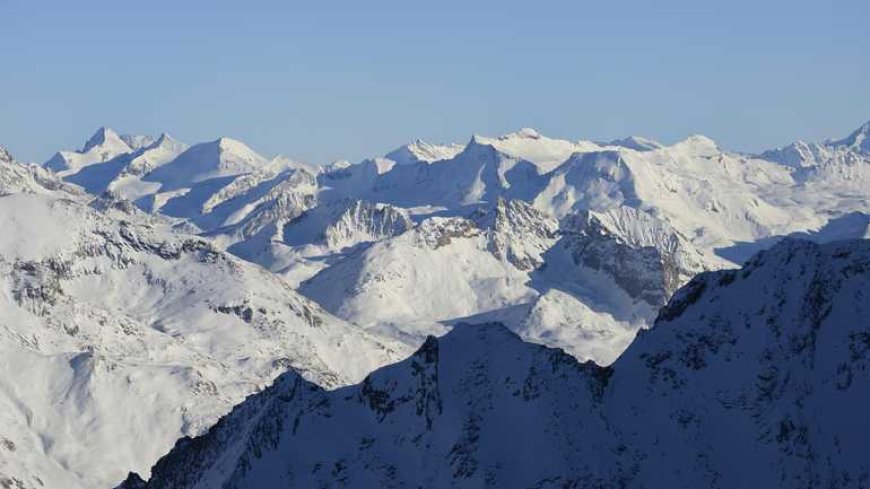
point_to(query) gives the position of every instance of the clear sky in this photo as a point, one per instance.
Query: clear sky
(321, 80)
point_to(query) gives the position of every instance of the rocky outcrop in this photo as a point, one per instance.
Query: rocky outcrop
(518, 232)
(645, 256)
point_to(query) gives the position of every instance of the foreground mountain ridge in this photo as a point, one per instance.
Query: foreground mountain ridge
(749, 378)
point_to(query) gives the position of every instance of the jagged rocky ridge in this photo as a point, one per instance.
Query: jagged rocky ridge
(750, 378)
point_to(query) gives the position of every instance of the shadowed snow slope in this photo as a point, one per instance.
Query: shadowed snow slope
(750, 378)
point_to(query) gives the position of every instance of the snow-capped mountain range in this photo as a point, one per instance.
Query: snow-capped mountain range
(151, 285)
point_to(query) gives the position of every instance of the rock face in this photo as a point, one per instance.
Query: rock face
(750, 378)
(363, 222)
(518, 232)
(645, 256)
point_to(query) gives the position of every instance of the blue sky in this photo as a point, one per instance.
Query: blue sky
(318, 81)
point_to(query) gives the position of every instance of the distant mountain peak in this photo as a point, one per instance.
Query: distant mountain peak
(229, 143)
(859, 139)
(637, 143)
(102, 136)
(164, 138)
(698, 143)
(524, 133)
(420, 150)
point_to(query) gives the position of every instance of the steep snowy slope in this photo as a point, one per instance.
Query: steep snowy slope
(750, 378)
(118, 336)
(204, 161)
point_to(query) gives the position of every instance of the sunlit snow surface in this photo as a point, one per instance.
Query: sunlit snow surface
(127, 322)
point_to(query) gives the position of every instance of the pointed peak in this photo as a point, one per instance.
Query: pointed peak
(859, 139)
(699, 142)
(864, 129)
(231, 145)
(166, 139)
(102, 136)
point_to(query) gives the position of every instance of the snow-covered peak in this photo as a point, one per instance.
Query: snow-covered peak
(699, 145)
(530, 145)
(524, 133)
(858, 140)
(220, 158)
(831, 158)
(235, 146)
(637, 143)
(422, 151)
(105, 138)
(163, 140)
(104, 145)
